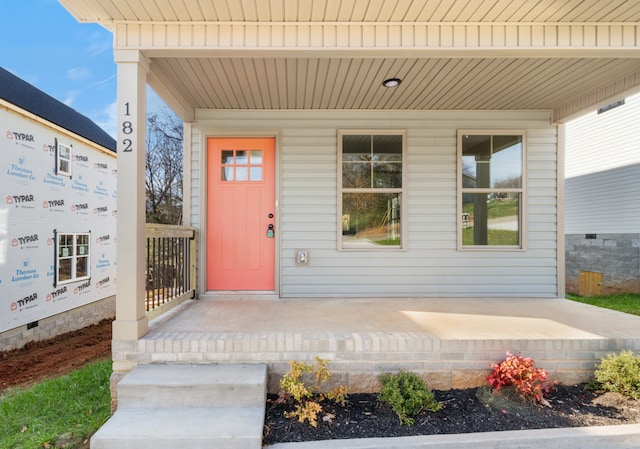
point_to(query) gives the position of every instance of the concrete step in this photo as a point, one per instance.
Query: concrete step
(189, 386)
(187, 406)
(194, 428)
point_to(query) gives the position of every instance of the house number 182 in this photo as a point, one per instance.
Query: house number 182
(127, 128)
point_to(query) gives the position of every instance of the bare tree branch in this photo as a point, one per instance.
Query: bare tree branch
(164, 170)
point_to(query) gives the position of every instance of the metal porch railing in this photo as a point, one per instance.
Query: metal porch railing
(170, 267)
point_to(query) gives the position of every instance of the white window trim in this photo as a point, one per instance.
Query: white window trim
(403, 190)
(523, 191)
(60, 172)
(74, 258)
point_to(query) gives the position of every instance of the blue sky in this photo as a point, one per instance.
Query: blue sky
(44, 45)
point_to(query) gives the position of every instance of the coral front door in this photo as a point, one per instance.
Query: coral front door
(241, 214)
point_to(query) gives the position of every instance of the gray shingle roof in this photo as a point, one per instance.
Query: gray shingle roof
(22, 94)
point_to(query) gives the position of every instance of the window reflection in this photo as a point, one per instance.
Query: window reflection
(492, 189)
(492, 161)
(371, 220)
(372, 169)
(372, 161)
(491, 219)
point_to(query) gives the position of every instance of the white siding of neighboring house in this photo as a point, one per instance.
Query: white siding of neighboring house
(431, 264)
(602, 184)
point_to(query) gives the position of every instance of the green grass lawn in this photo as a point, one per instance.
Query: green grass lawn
(623, 302)
(57, 413)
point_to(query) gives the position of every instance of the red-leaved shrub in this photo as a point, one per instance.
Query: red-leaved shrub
(520, 373)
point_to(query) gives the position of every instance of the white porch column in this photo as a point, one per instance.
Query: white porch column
(131, 322)
(560, 226)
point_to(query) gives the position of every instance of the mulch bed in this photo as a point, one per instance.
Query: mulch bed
(364, 416)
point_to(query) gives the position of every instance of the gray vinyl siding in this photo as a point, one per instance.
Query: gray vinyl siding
(602, 171)
(430, 265)
(604, 202)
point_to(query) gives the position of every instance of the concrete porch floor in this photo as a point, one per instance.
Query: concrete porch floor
(449, 341)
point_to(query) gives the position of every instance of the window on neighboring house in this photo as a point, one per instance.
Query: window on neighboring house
(371, 189)
(72, 256)
(63, 159)
(491, 184)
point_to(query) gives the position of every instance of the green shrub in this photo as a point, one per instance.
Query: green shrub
(620, 373)
(407, 394)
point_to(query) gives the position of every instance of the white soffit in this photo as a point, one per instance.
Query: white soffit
(564, 56)
(487, 11)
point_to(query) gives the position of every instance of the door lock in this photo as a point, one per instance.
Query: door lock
(270, 232)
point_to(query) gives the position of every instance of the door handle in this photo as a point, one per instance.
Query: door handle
(270, 232)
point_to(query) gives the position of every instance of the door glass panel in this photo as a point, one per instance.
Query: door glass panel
(227, 173)
(255, 174)
(255, 157)
(242, 157)
(242, 173)
(227, 157)
(241, 165)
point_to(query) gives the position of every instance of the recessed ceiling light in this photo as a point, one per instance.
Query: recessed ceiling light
(391, 82)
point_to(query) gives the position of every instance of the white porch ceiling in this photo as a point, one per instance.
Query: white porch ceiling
(356, 83)
(566, 56)
(105, 11)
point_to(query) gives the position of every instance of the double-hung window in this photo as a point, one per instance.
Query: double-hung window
(371, 189)
(491, 186)
(72, 256)
(63, 159)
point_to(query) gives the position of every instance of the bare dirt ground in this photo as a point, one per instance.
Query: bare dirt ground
(55, 357)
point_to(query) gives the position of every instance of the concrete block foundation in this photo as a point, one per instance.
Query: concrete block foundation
(616, 256)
